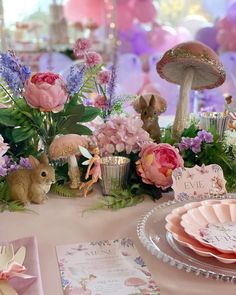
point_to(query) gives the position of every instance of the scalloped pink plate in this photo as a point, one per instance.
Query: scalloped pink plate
(213, 225)
(174, 227)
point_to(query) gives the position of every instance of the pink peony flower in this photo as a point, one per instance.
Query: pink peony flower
(157, 161)
(104, 77)
(3, 146)
(100, 102)
(121, 133)
(92, 59)
(49, 78)
(81, 47)
(46, 91)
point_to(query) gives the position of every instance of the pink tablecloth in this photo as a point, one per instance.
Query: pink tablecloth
(60, 221)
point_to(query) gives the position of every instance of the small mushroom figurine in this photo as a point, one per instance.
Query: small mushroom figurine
(192, 65)
(150, 106)
(67, 147)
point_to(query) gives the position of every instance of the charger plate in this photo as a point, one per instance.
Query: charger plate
(160, 243)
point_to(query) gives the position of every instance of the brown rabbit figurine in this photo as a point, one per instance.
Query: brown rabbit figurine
(149, 114)
(31, 185)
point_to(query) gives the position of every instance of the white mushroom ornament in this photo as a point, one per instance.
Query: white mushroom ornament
(67, 147)
(192, 65)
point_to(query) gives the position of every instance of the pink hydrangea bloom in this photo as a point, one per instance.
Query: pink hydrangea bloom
(46, 91)
(104, 77)
(157, 161)
(3, 146)
(93, 59)
(121, 133)
(81, 47)
(100, 102)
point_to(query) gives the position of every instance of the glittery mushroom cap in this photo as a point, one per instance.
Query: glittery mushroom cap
(65, 146)
(208, 70)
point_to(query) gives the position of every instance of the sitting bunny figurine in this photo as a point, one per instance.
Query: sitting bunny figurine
(31, 185)
(150, 107)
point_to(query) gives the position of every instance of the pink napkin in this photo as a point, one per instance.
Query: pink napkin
(29, 286)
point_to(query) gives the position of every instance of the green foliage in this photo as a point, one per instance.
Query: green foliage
(6, 203)
(89, 114)
(190, 131)
(89, 84)
(5, 93)
(120, 199)
(62, 190)
(7, 118)
(211, 153)
(166, 136)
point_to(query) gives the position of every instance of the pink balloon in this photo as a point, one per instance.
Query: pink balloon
(183, 34)
(146, 81)
(229, 62)
(124, 17)
(123, 2)
(144, 11)
(77, 10)
(231, 13)
(162, 38)
(226, 36)
(150, 88)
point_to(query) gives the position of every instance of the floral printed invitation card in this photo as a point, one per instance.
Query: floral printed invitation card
(104, 268)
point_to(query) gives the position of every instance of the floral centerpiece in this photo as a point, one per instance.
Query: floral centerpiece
(35, 108)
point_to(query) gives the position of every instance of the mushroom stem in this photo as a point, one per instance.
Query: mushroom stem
(182, 111)
(73, 172)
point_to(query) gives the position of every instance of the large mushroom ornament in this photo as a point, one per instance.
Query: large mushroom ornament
(67, 147)
(192, 65)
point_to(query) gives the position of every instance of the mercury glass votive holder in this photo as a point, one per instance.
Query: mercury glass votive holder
(217, 120)
(115, 171)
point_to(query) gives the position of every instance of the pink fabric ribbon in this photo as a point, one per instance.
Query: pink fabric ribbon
(14, 269)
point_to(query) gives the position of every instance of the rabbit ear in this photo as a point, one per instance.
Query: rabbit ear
(33, 161)
(142, 102)
(44, 159)
(152, 101)
(161, 105)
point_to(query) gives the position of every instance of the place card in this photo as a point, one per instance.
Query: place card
(198, 182)
(104, 268)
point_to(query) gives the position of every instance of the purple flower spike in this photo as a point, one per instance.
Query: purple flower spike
(205, 136)
(13, 72)
(185, 143)
(75, 79)
(196, 144)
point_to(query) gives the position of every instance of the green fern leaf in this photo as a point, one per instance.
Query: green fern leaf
(5, 94)
(63, 191)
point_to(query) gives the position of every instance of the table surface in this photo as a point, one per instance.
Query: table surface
(60, 221)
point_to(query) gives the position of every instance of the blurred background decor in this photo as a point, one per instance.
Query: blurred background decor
(44, 31)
